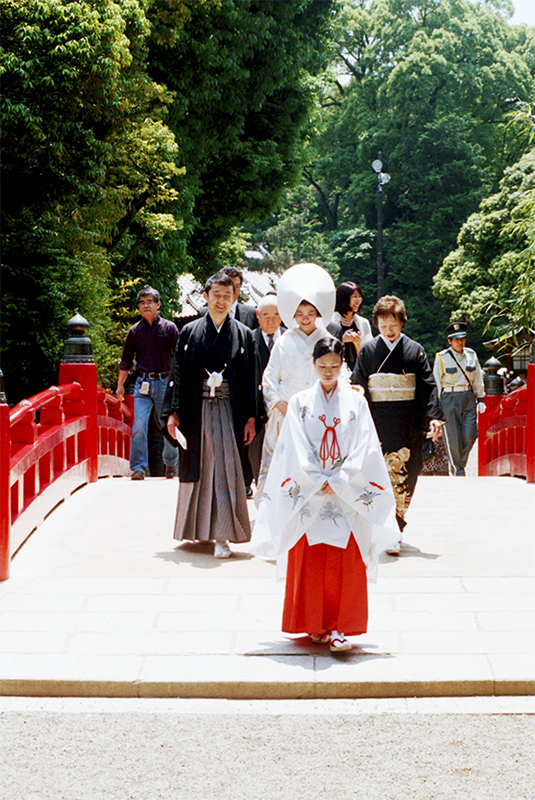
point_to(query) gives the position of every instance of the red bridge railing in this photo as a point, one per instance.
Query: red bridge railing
(507, 433)
(53, 443)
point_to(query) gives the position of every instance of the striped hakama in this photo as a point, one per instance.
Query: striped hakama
(215, 506)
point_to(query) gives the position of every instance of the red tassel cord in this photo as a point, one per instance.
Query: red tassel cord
(329, 447)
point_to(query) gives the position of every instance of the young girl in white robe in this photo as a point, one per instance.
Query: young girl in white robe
(328, 509)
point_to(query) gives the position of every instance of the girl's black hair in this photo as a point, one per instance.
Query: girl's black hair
(327, 345)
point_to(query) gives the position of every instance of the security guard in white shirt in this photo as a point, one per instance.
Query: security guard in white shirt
(459, 378)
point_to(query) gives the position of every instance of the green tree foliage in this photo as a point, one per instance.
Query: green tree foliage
(294, 235)
(354, 252)
(240, 73)
(432, 85)
(489, 280)
(103, 188)
(87, 162)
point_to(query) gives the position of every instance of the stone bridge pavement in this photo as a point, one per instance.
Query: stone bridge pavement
(103, 602)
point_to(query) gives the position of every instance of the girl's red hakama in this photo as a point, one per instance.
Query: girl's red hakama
(326, 589)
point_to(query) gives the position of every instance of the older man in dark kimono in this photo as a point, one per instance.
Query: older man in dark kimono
(264, 338)
(211, 402)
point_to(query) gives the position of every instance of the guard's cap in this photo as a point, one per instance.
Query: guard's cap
(456, 331)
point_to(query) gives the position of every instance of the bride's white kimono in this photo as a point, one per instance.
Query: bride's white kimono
(326, 438)
(290, 368)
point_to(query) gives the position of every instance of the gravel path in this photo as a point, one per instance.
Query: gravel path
(291, 754)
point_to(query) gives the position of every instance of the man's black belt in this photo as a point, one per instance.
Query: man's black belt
(154, 376)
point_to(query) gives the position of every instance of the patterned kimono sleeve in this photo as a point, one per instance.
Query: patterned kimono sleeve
(296, 465)
(293, 479)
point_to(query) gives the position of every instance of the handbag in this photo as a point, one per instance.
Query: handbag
(428, 449)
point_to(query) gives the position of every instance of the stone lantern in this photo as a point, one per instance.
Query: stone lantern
(77, 348)
(494, 383)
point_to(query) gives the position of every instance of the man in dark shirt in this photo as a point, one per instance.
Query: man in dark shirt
(152, 342)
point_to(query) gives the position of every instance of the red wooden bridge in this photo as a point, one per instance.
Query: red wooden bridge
(507, 433)
(74, 433)
(54, 443)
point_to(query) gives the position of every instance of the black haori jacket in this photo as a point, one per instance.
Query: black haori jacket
(201, 350)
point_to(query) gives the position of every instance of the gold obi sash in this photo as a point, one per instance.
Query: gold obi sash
(386, 387)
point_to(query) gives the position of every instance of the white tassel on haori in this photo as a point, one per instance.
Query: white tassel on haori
(215, 379)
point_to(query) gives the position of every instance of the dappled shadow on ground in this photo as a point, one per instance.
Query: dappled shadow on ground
(200, 555)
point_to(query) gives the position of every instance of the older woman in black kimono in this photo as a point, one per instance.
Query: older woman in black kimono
(402, 394)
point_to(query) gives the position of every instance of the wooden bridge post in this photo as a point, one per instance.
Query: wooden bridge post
(78, 365)
(530, 427)
(494, 392)
(5, 492)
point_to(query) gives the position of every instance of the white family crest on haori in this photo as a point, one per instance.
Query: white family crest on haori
(326, 438)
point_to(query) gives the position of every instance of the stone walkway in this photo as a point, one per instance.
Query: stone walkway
(102, 602)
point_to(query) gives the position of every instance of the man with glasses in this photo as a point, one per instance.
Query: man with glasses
(151, 343)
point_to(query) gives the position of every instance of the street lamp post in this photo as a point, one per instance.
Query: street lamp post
(382, 178)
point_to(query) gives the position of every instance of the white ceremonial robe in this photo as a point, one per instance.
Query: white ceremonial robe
(290, 369)
(306, 455)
